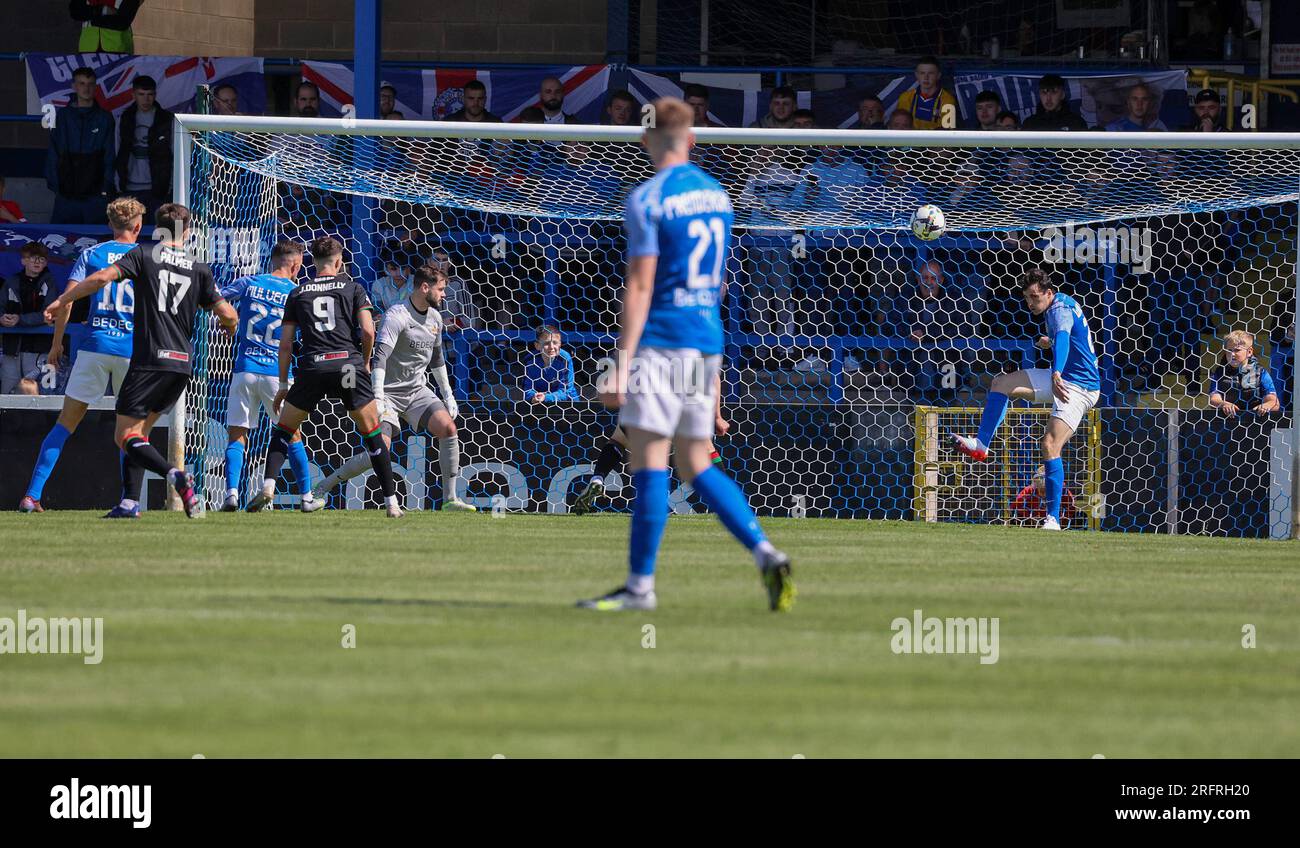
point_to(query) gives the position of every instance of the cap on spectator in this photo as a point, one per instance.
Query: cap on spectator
(1051, 81)
(1207, 95)
(144, 82)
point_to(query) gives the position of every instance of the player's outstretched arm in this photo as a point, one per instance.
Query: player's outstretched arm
(85, 288)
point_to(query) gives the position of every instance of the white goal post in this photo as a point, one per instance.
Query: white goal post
(966, 163)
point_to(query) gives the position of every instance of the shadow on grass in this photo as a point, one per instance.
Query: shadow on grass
(395, 602)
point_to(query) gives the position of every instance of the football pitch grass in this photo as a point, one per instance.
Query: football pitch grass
(224, 637)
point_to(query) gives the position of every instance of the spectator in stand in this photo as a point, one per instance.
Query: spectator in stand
(1242, 384)
(1207, 112)
(780, 110)
(548, 371)
(10, 211)
(871, 114)
(387, 101)
(987, 108)
(1054, 113)
(697, 96)
(225, 100)
(1143, 112)
(395, 115)
(926, 101)
(932, 309)
(900, 121)
(26, 294)
(1008, 121)
(531, 115)
(306, 100)
(833, 181)
(474, 105)
(79, 164)
(105, 24)
(458, 309)
(927, 312)
(621, 109)
(551, 97)
(804, 119)
(390, 289)
(144, 152)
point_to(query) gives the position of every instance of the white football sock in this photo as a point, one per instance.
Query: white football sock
(763, 552)
(640, 584)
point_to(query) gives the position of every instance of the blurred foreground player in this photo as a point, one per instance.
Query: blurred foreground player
(678, 226)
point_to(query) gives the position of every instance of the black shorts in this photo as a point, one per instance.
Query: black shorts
(350, 387)
(146, 392)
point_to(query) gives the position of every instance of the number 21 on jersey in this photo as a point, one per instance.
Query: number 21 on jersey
(706, 233)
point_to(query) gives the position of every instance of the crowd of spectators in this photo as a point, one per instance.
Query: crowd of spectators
(780, 293)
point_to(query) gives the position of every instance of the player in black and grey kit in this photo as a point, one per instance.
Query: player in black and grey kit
(170, 288)
(409, 348)
(328, 312)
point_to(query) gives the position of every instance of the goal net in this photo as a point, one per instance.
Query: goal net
(841, 326)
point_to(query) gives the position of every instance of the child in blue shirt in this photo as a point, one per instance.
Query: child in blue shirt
(548, 371)
(1242, 384)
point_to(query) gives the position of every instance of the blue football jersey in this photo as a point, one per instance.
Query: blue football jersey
(683, 216)
(112, 308)
(1080, 361)
(260, 300)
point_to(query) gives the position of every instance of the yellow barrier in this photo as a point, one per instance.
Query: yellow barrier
(1252, 87)
(949, 487)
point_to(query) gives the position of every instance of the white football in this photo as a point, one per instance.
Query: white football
(928, 223)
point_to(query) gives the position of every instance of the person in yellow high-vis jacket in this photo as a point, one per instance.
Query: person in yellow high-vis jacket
(926, 101)
(106, 24)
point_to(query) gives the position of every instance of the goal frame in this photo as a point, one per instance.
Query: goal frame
(186, 124)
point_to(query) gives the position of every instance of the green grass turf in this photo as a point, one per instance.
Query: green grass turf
(222, 638)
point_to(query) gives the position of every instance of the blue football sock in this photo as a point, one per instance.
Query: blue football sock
(301, 466)
(1055, 480)
(234, 464)
(723, 497)
(649, 515)
(45, 460)
(995, 409)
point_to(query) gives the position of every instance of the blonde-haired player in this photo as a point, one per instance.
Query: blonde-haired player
(678, 226)
(103, 356)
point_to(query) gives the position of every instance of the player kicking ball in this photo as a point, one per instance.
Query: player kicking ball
(105, 353)
(170, 287)
(329, 312)
(409, 347)
(678, 226)
(260, 300)
(1072, 385)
